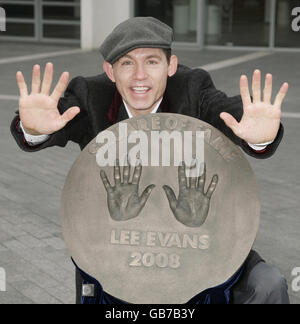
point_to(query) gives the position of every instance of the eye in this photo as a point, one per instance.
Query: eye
(152, 62)
(126, 63)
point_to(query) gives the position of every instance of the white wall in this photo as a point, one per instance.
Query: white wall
(99, 18)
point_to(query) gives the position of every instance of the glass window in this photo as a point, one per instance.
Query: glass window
(56, 19)
(238, 23)
(19, 29)
(287, 24)
(61, 31)
(19, 11)
(181, 15)
(58, 1)
(61, 13)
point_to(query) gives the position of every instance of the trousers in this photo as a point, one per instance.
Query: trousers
(264, 285)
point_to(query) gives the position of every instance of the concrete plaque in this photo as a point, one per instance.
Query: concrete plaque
(159, 208)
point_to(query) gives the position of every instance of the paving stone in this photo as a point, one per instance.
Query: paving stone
(42, 279)
(31, 241)
(35, 230)
(63, 294)
(34, 292)
(14, 245)
(52, 269)
(55, 242)
(13, 296)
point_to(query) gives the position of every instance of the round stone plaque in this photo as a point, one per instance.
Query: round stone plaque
(159, 208)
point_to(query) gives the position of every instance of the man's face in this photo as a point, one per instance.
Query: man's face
(141, 78)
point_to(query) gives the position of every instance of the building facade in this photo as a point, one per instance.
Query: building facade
(242, 24)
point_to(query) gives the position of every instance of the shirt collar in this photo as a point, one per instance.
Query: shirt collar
(114, 109)
(153, 111)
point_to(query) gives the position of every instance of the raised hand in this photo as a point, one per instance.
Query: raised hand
(193, 203)
(38, 110)
(261, 119)
(123, 199)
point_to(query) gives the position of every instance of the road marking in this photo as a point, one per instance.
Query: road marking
(40, 56)
(290, 115)
(234, 61)
(12, 98)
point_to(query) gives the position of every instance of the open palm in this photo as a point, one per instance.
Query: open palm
(38, 110)
(261, 119)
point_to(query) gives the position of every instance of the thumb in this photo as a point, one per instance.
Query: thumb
(171, 197)
(70, 114)
(146, 194)
(230, 121)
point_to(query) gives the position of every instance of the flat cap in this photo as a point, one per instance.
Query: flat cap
(138, 32)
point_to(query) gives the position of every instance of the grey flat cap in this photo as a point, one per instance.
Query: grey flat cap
(138, 32)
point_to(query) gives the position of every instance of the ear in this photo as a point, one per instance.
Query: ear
(108, 69)
(172, 69)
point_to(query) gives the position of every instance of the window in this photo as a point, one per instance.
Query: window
(41, 20)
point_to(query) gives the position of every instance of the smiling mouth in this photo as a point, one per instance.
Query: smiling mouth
(140, 90)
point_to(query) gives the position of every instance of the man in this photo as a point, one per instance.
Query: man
(142, 77)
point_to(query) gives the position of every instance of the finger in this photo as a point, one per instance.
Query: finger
(126, 170)
(281, 95)
(105, 181)
(212, 186)
(193, 183)
(146, 194)
(268, 88)
(36, 79)
(193, 174)
(256, 86)
(230, 122)
(182, 176)
(137, 173)
(117, 173)
(171, 197)
(202, 179)
(244, 89)
(48, 78)
(61, 86)
(69, 115)
(22, 84)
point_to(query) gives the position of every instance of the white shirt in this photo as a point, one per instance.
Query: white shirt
(33, 140)
(152, 112)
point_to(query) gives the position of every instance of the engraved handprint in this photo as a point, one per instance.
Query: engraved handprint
(123, 199)
(193, 203)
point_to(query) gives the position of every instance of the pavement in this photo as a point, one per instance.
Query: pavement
(33, 254)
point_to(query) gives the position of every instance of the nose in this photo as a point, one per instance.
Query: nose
(140, 72)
